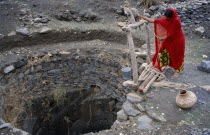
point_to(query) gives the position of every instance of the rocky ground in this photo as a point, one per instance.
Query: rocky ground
(37, 28)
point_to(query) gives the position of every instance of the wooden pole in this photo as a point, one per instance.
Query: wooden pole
(148, 45)
(150, 83)
(144, 84)
(145, 73)
(129, 14)
(133, 57)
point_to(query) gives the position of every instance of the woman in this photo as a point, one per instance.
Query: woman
(169, 41)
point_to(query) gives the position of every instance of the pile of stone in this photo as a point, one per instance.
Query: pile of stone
(133, 110)
(195, 12)
(28, 18)
(197, 131)
(190, 12)
(78, 16)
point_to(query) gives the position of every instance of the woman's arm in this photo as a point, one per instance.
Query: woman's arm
(147, 19)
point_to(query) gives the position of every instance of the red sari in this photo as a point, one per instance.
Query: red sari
(174, 42)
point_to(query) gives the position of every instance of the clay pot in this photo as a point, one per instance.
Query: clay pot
(186, 99)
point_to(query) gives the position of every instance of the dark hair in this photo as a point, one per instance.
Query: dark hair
(168, 13)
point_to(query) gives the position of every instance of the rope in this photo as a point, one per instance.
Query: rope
(151, 31)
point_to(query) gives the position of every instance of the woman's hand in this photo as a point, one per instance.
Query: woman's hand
(145, 18)
(141, 16)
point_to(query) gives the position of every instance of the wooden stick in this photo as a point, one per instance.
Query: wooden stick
(141, 54)
(144, 84)
(136, 24)
(148, 45)
(133, 57)
(129, 14)
(150, 83)
(144, 73)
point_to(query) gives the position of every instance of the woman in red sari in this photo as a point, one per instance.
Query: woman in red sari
(169, 41)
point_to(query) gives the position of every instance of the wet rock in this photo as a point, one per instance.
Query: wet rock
(121, 116)
(23, 31)
(129, 109)
(134, 98)
(144, 122)
(204, 66)
(1, 36)
(155, 116)
(9, 69)
(45, 30)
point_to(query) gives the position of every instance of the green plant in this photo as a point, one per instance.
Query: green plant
(59, 95)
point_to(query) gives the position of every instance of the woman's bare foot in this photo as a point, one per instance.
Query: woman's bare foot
(175, 75)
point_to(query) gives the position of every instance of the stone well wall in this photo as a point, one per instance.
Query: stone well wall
(94, 74)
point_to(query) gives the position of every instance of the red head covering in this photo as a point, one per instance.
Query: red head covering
(174, 42)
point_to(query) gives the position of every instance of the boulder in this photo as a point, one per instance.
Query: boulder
(45, 30)
(134, 98)
(24, 11)
(204, 66)
(12, 33)
(23, 31)
(41, 20)
(129, 109)
(144, 122)
(9, 69)
(155, 116)
(200, 30)
(121, 116)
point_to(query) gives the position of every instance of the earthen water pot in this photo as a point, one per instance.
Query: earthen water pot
(186, 99)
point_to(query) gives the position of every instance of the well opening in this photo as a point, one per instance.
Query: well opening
(65, 93)
(82, 111)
